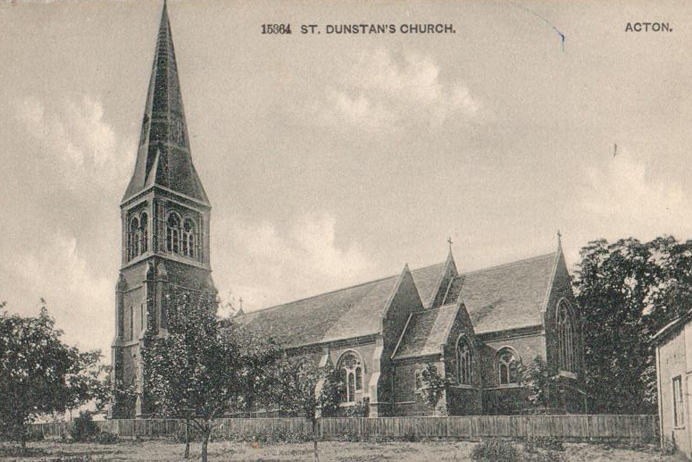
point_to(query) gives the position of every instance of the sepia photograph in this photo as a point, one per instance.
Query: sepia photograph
(359, 230)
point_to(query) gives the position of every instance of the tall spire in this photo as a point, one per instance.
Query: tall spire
(163, 156)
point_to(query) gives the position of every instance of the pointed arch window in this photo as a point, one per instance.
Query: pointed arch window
(144, 233)
(566, 342)
(351, 377)
(173, 233)
(130, 334)
(507, 367)
(133, 240)
(464, 362)
(188, 239)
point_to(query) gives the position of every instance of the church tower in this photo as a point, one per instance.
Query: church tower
(165, 216)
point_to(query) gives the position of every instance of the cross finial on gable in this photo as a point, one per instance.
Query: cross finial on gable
(449, 241)
(559, 238)
(240, 311)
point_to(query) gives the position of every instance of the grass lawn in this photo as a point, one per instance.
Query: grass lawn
(48, 451)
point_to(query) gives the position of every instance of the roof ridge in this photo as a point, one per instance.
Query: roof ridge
(448, 331)
(429, 310)
(355, 286)
(311, 297)
(511, 263)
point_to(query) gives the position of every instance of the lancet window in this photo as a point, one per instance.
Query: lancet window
(507, 367)
(464, 362)
(173, 233)
(132, 239)
(566, 338)
(351, 377)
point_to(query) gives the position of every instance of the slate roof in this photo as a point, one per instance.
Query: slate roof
(508, 296)
(426, 331)
(163, 156)
(498, 298)
(345, 313)
(427, 280)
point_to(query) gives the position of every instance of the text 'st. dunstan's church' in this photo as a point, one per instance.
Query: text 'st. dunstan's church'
(476, 327)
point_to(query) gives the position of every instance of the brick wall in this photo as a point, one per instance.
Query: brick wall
(405, 301)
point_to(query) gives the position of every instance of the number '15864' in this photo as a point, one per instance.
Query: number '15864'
(276, 28)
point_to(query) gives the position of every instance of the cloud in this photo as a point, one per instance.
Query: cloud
(381, 91)
(77, 297)
(624, 199)
(77, 140)
(272, 264)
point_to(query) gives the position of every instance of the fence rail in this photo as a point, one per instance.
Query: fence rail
(641, 428)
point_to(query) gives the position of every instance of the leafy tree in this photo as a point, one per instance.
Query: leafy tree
(628, 290)
(89, 381)
(433, 386)
(305, 389)
(202, 368)
(39, 374)
(83, 428)
(541, 382)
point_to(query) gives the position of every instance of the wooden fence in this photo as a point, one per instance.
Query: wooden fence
(639, 428)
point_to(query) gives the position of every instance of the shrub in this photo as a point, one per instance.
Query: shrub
(411, 436)
(106, 438)
(69, 459)
(357, 410)
(33, 434)
(83, 428)
(275, 435)
(543, 456)
(495, 450)
(550, 443)
(351, 436)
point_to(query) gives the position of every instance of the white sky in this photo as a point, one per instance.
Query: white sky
(331, 160)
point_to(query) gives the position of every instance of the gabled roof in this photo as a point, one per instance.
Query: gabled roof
(427, 280)
(163, 156)
(508, 296)
(426, 331)
(502, 297)
(347, 313)
(664, 334)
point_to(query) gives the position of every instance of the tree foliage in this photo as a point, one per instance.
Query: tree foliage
(39, 374)
(628, 290)
(433, 385)
(542, 385)
(304, 389)
(202, 368)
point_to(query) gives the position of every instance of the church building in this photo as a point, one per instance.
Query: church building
(165, 225)
(477, 327)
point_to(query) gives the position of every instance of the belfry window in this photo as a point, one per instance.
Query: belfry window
(566, 345)
(173, 233)
(133, 241)
(464, 362)
(507, 367)
(351, 377)
(144, 233)
(188, 242)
